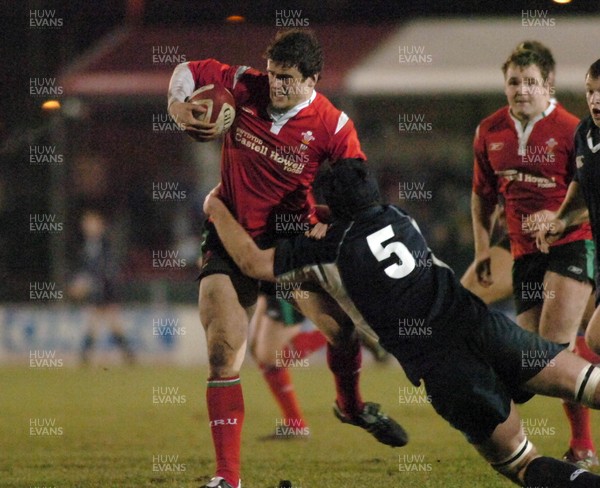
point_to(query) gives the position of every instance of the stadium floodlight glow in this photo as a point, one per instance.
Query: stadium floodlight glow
(561, 1)
(51, 105)
(235, 19)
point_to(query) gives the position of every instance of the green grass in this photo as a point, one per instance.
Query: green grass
(111, 429)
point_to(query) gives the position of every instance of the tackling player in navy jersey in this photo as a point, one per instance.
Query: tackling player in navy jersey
(583, 198)
(473, 361)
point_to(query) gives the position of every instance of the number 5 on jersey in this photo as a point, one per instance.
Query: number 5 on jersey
(381, 253)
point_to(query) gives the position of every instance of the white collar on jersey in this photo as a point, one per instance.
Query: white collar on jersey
(590, 142)
(279, 119)
(523, 134)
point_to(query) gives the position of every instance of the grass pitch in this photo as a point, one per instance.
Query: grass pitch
(147, 427)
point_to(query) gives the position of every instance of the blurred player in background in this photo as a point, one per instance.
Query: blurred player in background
(279, 340)
(500, 286)
(470, 358)
(524, 152)
(282, 132)
(94, 283)
(582, 201)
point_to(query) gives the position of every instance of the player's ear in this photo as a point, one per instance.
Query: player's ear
(313, 80)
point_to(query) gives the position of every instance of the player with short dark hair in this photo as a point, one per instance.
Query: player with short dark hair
(297, 48)
(594, 73)
(583, 198)
(524, 153)
(282, 133)
(473, 361)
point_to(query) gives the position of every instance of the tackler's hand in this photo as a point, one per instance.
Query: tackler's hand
(318, 231)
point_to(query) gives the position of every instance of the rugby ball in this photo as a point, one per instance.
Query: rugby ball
(219, 103)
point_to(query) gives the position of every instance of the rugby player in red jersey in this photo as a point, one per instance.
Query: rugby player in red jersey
(282, 132)
(524, 152)
(501, 260)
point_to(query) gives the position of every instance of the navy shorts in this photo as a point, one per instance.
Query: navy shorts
(483, 368)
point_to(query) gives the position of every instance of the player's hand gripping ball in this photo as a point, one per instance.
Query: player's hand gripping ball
(219, 104)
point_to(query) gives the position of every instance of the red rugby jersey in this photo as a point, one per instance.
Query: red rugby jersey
(269, 165)
(530, 167)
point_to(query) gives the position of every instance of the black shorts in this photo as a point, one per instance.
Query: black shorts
(215, 260)
(481, 369)
(573, 260)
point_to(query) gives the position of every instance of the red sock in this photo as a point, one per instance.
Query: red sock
(578, 415)
(226, 414)
(344, 362)
(584, 351)
(308, 342)
(280, 383)
(581, 430)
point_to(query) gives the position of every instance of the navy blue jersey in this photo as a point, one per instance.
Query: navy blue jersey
(587, 151)
(380, 270)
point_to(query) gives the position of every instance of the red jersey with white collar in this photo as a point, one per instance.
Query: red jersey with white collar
(530, 166)
(270, 161)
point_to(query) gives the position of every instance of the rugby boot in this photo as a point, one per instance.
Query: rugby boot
(385, 429)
